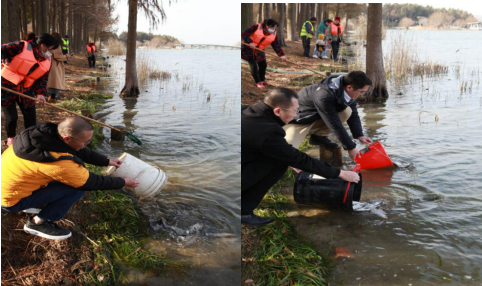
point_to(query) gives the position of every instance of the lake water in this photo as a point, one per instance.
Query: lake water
(189, 124)
(426, 224)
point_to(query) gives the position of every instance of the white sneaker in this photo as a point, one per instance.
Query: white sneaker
(32, 211)
(315, 56)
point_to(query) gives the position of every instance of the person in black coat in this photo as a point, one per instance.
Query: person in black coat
(325, 106)
(266, 155)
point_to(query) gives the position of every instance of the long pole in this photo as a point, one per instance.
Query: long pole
(63, 109)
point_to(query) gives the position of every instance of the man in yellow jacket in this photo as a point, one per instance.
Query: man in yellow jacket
(45, 168)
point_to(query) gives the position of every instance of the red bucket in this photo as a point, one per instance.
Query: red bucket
(373, 157)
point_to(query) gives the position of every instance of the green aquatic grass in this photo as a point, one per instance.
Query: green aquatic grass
(116, 232)
(280, 256)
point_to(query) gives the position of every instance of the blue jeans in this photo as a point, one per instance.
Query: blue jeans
(57, 199)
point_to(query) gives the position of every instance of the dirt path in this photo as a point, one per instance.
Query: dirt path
(250, 94)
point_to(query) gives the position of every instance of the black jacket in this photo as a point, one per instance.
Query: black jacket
(323, 101)
(262, 136)
(34, 144)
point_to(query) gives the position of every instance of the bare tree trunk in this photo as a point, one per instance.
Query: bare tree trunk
(14, 21)
(298, 20)
(131, 87)
(54, 16)
(281, 21)
(312, 11)
(5, 24)
(324, 10)
(246, 15)
(302, 17)
(318, 12)
(43, 17)
(260, 13)
(24, 18)
(266, 11)
(70, 21)
(62, 18)
(337, 11)
(290, 22)
(375, 69)
(346, 22)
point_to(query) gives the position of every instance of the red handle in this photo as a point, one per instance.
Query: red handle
(356, 169)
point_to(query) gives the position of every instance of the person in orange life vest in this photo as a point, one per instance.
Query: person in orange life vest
(56, 81)
(334, 35)
(90, 54)
(259, 36)
(25, 68)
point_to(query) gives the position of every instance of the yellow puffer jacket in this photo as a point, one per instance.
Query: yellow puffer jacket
(22, 177)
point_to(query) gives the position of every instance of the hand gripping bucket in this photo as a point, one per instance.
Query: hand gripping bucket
(373, 157)
(151, 179)
(332, 193)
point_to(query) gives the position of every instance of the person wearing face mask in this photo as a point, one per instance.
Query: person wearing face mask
(25, 68)
(266, 155)
(56, 81)
(256, 38)
(325, 106)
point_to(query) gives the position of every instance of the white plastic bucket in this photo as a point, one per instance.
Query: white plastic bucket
(151, 178)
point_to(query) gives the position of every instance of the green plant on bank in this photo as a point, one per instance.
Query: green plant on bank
(116, 232)
(280, 256)
(113, 229)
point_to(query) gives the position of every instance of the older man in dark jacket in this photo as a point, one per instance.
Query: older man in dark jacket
(325, 106)
(265, 154)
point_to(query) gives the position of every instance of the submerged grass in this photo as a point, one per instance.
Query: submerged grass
(275, 254)
(116, 233)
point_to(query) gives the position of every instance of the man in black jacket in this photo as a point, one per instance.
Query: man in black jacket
(265, 154)
(325, 106)
(45, 167)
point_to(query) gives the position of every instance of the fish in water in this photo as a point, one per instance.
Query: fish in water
(403, 165)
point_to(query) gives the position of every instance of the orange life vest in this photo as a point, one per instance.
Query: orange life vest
(17, 69)
(334, 29)
(91, 49)
(258, 37)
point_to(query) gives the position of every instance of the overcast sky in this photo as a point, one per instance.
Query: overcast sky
(192, 21)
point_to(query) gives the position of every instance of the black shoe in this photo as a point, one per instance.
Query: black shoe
(322, 140)
(46, 229)
(255, 220)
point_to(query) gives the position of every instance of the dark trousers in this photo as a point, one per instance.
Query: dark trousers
(335, 45)
(306, 45)
(270, 172)
(56, 199)
(11, 118)
(258, 70)
(91, 61)
(64, 52)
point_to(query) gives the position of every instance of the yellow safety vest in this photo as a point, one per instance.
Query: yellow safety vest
(303, 30)
(66, 44)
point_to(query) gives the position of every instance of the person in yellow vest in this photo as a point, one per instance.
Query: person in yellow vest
(25, 68)
(90, 51)
(65, 45)
(334, 35)
(256, 38)
(307, 32)
(44, 168)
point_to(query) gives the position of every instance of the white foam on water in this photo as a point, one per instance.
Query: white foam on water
(373, 207)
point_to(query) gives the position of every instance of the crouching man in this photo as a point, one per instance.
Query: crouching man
(266, 155)
(45, 167)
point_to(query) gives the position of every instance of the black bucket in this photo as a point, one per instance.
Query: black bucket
(314, 190)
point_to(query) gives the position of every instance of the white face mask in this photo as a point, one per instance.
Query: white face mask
(272, 31)
(46, 54)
